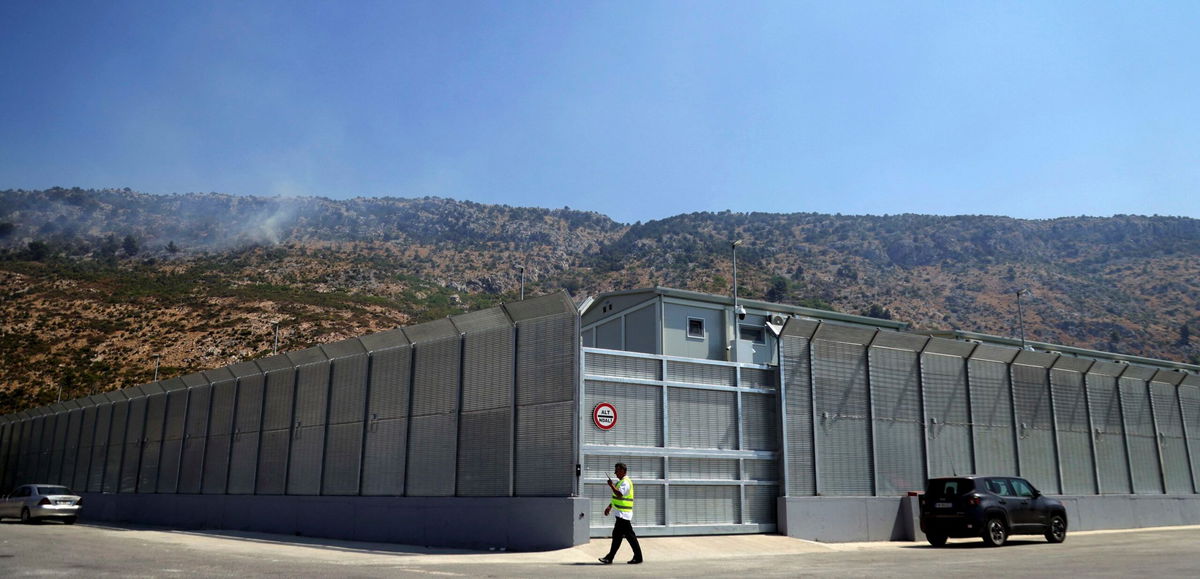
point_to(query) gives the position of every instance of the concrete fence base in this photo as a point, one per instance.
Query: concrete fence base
(515, 524)
(847, 519)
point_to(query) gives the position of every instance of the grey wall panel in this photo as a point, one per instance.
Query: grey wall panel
(639, 467)
(304, 465)
(435, 377)
(992, 414)
(243, 451)
(168, 467)
(272, 463)
(896, 399)
(649, 505)
(71, 450)
(1074, 432)
(280, 391)
(682, 468)
(759, 378)
(1031, 390)
(432, 456)
(639, 414)
(216, 464)
(100, 447)
(693, 373)
(384, 457)
(760, 421)
(224, 398)
(87, 434)
(641, 327)
(156, 413)
(348, 389)
(1189, 401)
(343, 457)
(843, 434)
(174, 429)
(191, 460)
(485, 454)
(1108, 434)
(488, 362)
(312, 394)
(801, 476)
(220, 428)
(1143, 444)
(760, 470)
(702, 418)
(59, 448)
(704, 505)
(623, 367)
(545, 461)
(1176, 469)
(389, 390)
(45, 445)
(547, 365)
(947, 408)
(116, 446)
(134, 433)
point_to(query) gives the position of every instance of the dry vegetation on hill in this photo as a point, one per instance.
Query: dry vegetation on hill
(95, 284)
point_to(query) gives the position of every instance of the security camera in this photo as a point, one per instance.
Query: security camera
(741, 312)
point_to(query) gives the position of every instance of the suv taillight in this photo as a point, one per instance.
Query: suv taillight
(44, 501)
(974, 500)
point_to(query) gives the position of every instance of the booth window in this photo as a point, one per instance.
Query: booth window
(754, 334)
(695, 328)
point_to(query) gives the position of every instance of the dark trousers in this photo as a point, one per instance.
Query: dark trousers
(624, 530)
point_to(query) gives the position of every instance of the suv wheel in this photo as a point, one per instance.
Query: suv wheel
(1056, 531)
(936, 540)
(995, 533)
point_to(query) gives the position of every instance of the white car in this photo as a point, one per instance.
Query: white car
(35, 502)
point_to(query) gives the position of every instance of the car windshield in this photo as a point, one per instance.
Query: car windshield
(53, 490)
(950, 487)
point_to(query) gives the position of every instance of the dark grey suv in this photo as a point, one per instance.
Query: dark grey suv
(991, 507)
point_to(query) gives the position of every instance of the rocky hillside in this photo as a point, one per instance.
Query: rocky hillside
(95, 284)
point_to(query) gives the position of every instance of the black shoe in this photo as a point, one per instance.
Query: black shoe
(606, 560)
(635, 561)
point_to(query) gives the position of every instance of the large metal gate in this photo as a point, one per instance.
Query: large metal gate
(700, 437)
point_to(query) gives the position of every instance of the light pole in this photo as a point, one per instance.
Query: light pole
(733, 246)
(737, 312)
(1020, 316)
(157, 359)
(275, 347)
(522, 268)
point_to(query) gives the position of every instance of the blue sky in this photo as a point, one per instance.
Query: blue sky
(639, 110)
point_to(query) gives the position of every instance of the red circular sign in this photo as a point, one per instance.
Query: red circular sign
(604, 415)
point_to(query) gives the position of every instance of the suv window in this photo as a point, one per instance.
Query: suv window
(1022, 488)
(950, 487)
(999, 486)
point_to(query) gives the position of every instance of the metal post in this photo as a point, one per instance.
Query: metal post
(1058, 466)
(1087, 405)
(275, 347)
(157, 360)
(522, 268)
(736, 327)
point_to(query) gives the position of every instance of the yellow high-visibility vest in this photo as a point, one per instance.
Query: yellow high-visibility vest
(624, 503)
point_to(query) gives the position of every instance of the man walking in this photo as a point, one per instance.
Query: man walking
(622, 500)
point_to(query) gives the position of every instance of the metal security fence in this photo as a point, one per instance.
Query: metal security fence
(872, 412)
(482, 404)
(700, 437)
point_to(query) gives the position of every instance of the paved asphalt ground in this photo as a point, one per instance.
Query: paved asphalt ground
(94, 550)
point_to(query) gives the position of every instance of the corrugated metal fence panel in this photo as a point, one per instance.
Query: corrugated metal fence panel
(546, 451)
(1178, 476)
(703, 468)
(191, 459)
(1143, 445)
(343, 455)
(8, 450)
(639, 414)
(547, 365)
(488, 361)
(243, 451)
(87, 434)
(761, 470)
(116, 444)
(384, 457)
(389, 391)
(702, 418)
(174, 428)
(59, 449)
(623, 366)
(760, 421)
(639, 467)
(947, 408)
(220, 431)
(1189, 400)
(308, 438)
(279, 392)
(758, 378)
(798, 408)
(1074, 432)
(46, 445)
(704, 505)
(843, 435)
(27, 459)
(1109, 434)
(100, 447)
(134, 432)
(71, 449)
(272, 462)
(761, 504)
(485, 455)
(896, 397)
(1031, 389)
(696, 373)
(992, 413)
(435, 379)
(432, 456)
(156, 413)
